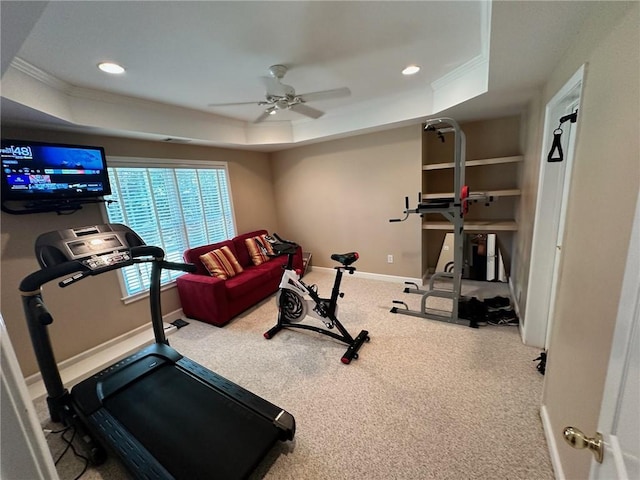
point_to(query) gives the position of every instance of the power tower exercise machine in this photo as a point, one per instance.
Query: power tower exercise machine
(453, 209)
(165, 416)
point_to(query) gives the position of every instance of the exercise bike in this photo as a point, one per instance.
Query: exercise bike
(296, 300)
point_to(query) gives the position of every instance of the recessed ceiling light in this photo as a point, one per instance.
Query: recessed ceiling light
(110, 67)
(411, 70)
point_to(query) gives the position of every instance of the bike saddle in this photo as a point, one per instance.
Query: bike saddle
(345, 259)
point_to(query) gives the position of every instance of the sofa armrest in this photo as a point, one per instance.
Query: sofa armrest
(203, 298)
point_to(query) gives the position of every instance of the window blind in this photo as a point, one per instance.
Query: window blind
(172, 207)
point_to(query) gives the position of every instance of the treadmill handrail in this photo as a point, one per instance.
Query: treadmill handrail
(36, 279)
(38, 318)
(184, 267)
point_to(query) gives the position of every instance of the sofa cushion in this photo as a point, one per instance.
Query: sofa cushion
(240, 247)
(259, 249)
(221, 263)
(193, 255)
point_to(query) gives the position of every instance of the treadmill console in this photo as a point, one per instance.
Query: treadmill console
(96, 247)
(107, 260)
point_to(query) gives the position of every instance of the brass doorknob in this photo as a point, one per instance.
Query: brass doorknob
(577, 439)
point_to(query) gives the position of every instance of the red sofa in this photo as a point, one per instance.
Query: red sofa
(216, 301)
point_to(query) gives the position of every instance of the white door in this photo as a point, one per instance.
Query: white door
(568, 144)
(619, 421)
(553, 191)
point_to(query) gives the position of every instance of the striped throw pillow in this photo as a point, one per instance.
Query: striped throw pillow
(221, 263)
(258, 248)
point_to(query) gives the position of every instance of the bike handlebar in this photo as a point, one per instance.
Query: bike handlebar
(281, 246)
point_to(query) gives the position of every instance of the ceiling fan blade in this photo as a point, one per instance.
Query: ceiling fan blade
(325, 94)
(306, 110)
(232, 104)
(262, 117)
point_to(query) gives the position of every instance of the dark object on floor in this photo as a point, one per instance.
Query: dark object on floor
(179, 323)
(542, 365)
(502, 317)
(492, 311)
(497, 302)
(473, 310)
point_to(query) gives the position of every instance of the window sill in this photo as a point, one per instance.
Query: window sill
(142, 295)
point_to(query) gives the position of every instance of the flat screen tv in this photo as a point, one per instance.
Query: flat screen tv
(35, 171)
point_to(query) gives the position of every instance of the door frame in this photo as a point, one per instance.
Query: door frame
(554, 184)
(25, 451)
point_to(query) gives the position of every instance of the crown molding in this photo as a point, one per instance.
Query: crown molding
(459, 72)
(113, 98)
(40, 75)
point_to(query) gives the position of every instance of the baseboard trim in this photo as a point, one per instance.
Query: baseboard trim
(85, 364)
(551, 444)
(374, 276)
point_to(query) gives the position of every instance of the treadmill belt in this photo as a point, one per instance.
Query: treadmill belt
(194, 431)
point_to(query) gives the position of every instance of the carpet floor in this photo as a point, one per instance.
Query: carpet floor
(424, 400)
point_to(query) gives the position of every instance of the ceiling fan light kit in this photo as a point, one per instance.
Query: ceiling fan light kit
(283, 97)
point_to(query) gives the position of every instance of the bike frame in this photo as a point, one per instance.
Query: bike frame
(321, 308)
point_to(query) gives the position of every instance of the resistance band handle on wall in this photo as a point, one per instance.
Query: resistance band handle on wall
(556, 154)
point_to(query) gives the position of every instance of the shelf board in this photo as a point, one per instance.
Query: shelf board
(475, 163)
(475, 225)
(513, 192)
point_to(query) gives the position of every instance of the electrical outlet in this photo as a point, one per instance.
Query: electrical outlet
(389, 258)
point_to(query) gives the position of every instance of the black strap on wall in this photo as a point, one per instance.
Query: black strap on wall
(556, 154)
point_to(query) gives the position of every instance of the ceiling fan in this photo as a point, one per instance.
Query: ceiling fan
(283, 97)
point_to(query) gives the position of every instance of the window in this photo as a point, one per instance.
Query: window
(169, 206)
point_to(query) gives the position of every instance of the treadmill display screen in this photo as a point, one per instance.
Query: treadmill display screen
(93, 246)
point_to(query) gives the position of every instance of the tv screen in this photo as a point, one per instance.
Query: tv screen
(52, 171)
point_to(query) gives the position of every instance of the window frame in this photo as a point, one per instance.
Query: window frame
(146, 162)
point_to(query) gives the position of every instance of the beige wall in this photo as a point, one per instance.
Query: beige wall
(531, 140)
(338, 196)
(77, 326)
(605, 182)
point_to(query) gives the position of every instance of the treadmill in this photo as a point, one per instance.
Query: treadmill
(164, 415)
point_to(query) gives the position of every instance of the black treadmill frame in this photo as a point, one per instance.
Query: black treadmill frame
(83, 407)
